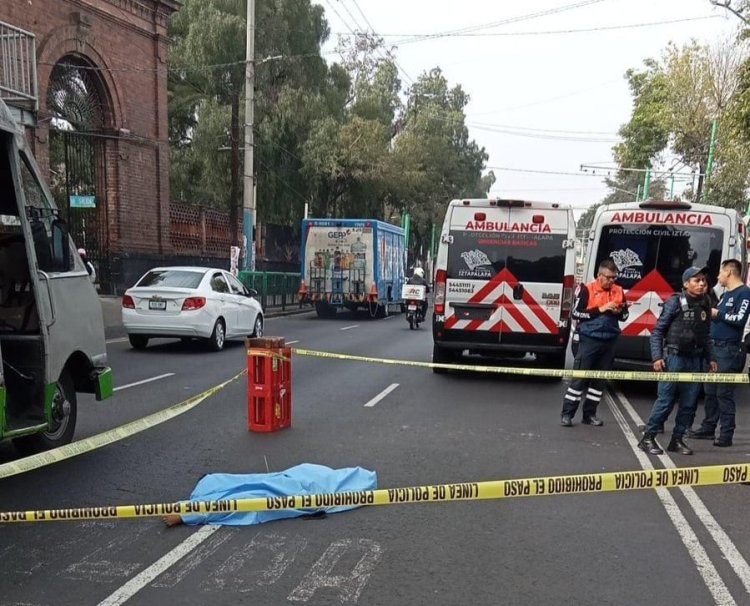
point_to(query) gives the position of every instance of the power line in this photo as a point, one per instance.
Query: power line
(542, 135)
(506, 21)
(604, 28)
(388, 55)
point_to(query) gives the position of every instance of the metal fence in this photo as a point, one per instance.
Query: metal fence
(18, 67)
(275, 289)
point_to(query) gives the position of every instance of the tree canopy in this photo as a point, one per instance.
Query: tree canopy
(346, 137)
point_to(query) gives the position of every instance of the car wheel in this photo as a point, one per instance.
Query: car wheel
(218, 336)
(258, 327)
(64, 415)
(138, 341)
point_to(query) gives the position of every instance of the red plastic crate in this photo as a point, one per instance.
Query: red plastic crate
(269, 394)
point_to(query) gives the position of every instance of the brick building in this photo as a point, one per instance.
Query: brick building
(100, 127)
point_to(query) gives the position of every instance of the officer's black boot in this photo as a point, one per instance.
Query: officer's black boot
(649, 445)
(676, 444)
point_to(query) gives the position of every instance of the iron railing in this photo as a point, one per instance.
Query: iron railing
(275, 289)
(18, 84)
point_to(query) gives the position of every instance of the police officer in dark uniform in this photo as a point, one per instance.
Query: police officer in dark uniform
(680, 342)
(599, 308)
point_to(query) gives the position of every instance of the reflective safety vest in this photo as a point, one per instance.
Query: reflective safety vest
(598, 296)
(605, 326)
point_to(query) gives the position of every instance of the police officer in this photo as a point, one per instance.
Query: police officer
(682, 333)
(599, 308)
(729, 319)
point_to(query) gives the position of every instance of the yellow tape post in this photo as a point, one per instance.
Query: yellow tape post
(618, 481)
(608, 375)
(109, 437)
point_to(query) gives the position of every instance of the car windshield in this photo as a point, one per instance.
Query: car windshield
(175, 278)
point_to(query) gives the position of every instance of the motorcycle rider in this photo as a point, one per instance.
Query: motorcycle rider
(418, 279)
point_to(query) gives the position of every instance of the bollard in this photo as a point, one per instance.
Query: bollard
(269, 384)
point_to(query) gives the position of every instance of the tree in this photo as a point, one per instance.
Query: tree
(675, 102)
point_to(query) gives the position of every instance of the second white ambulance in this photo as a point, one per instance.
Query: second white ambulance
(652, 243)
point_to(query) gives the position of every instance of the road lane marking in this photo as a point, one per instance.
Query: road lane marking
(144, 381)
(349, 585)
(291, 342)
(118, 340)
(727, 547)
(350, 327)
(713, 581)
(381, 395)
(138, 582)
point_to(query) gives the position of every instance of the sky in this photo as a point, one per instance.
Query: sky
(564, 95)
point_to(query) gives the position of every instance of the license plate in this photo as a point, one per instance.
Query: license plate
(159, 305)
(412, 307)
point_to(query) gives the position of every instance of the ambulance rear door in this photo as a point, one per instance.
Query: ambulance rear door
(539, 275)
(651, 250)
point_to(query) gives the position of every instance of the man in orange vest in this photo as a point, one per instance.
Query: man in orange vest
(599, 308)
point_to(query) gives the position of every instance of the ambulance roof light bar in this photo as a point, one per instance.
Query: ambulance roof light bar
(666, 205)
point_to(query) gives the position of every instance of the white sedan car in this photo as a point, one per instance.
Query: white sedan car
(190, 302)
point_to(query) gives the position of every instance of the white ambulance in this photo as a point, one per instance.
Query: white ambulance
(652, 243)
(504, 280)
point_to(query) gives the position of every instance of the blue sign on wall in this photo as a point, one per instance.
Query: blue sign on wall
(82, 201)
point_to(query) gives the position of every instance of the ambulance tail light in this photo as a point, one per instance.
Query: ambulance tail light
(567, 297)
(666, 205)
(440, 278)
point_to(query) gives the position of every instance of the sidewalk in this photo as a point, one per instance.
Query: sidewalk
(113, 328)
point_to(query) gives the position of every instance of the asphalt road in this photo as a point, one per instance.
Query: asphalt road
(686, 547)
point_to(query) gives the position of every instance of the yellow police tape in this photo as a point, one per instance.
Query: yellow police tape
(108, 437)
(609, 375)
(617, 481)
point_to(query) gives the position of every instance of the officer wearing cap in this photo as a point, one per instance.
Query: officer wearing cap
(680, 342)
(729, 319)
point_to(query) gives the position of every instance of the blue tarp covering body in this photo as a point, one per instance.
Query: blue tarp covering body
(303, 479)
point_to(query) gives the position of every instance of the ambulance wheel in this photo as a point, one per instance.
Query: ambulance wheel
(442, 356)
(555, 361)
(64, 414)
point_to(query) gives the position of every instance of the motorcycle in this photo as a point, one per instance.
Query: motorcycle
(413, 295)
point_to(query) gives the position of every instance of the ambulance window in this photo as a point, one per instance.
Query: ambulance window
(536, 257)
(640, 249)
(476, 255)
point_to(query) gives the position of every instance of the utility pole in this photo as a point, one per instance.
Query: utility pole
(647, 184)
(711, 149)
(248, 198)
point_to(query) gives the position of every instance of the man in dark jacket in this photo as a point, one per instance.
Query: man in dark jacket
(680, 342)
(730, 316)
(599, 308)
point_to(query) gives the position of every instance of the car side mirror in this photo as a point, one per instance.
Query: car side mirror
(251, 292)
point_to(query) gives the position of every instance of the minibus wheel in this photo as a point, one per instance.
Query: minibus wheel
(64, 413)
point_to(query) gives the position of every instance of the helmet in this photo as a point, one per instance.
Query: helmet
(82, 252)
(419, 272)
